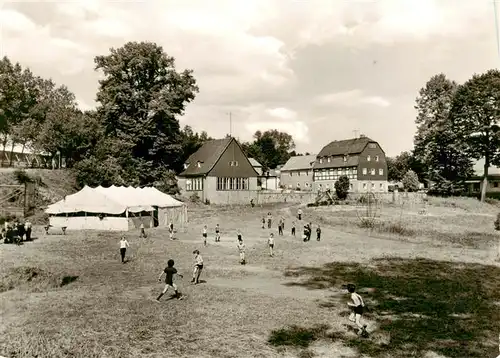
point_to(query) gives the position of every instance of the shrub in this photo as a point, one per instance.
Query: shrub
(194, 198)
(410, 181)
(497, 222)
(342, 187)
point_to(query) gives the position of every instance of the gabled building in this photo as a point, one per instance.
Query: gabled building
(256, 165)
(362, 160)
(219, 173)
(297, 173)
(475, 183)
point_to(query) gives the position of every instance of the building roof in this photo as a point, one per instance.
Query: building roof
(338, 162)
(254, 163)
(347, 146)
(479, 169)
(207, 156)
(299, 162)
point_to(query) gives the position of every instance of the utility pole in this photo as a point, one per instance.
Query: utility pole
(230, 124)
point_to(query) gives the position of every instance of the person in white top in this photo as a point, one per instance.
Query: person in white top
(171, 230)
(241, 248)
(143, 232)
(270, 241)
(27, 229)
(123, 248)
(299, 214)
(356, 306)
(205, 235)
(198, 267)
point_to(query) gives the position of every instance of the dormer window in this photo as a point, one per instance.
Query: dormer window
(376, 158)
(345, 158)
(368, 158)
(328, 159)
(320, 160)
(198, 164)
(233, 163)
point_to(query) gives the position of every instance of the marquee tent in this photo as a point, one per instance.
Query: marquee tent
(116, 208)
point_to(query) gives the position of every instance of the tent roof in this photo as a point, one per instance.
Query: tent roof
(113, 200)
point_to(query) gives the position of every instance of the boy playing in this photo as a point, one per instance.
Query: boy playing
(238, 235)
(123, 248)
(293, 228)
(198, 266)
(269, 220)
(356, 306)
(241, 248)
(271, 244)
(205, 235)
(299, 214)
(171, 230)
(263, 222)
(169, 272)
(318, 233)
(143, 232)
(217, 233)
(280, 227)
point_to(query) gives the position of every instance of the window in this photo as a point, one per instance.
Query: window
(328, 160)
(307, 185)
(232, 184)
(233, 163)
(198, 164)
(320, 160)
(365, 171)
(376, 158)
(194, 184)
(381, 172)
(373, 171)
(298, 173)
(364, 185)
(345, 158)
(381, 186)
(373, 185)
(291, 174)
(372, 146)
(368, 158)
(495, 184)
(350, 186)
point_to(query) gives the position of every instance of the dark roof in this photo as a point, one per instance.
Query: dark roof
(208, 155)
(347, 146)
(299, 162)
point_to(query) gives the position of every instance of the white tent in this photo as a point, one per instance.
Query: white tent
(116, 208)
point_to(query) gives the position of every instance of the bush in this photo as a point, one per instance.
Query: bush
(410, 181)
(194, 198)
(342, 187)
(497, 222)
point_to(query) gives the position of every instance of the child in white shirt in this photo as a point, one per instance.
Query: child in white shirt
(357, 306)
(270, 241)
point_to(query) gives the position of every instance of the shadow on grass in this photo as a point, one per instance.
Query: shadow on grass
(450, 308)
(66, 280)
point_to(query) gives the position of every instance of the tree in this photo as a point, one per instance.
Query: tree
(342, 187)
(271, 148)
(410, 181)
(475, 115)
(398, 166)
(191, 142)
(141, 97)
(436, 143)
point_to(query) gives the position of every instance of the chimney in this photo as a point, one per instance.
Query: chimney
(362, 136)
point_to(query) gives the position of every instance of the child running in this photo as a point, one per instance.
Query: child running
(356, 306)
(171, 230)
(123, 248)
(271, 244)
(198, 267)
(217, 233)
(205, 235)
(241, 248)
(169, 272)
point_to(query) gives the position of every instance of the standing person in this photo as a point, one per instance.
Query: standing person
(171, 230)
(263, 222)
(252, 204)
(198, 267)
(309, 231)
(270, 241)
(205, 235)
(280, 227)
(27, 228)
(169, 272)
(241, 248)
(356, 306)
(293, 228)
(318, 233)
(238, 235)
(299, 214)
(269, 220)
(143, 231)
(20, 230)
(123, 248)
(217, 233)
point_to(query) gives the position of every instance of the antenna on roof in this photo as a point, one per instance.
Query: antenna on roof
(230, 124)
(356, 132)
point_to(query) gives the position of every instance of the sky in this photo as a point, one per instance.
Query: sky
(319, 70)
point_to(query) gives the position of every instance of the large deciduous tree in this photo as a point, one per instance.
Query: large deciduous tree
(437, 145)
(475, 115)
(141, 97)
(271, 148)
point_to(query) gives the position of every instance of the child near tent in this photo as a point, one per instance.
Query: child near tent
(217, 233)
(241, 248)
(169, 272)
(205, 235)
(198, 267)
(171, 230)
(123, 248)
(143, 232)
(270, 241)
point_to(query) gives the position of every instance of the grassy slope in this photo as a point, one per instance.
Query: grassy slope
(437, 295)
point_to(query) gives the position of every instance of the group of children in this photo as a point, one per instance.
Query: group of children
(16, 231)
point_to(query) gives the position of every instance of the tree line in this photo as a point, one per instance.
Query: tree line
(456, 124)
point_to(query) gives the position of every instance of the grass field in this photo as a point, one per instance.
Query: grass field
(432, 288)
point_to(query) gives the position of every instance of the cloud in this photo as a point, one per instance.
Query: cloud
(283, 113)
(351, 98)
(15, 22)
(297, 129)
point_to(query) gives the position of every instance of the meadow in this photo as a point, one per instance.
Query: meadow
(430, 282)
